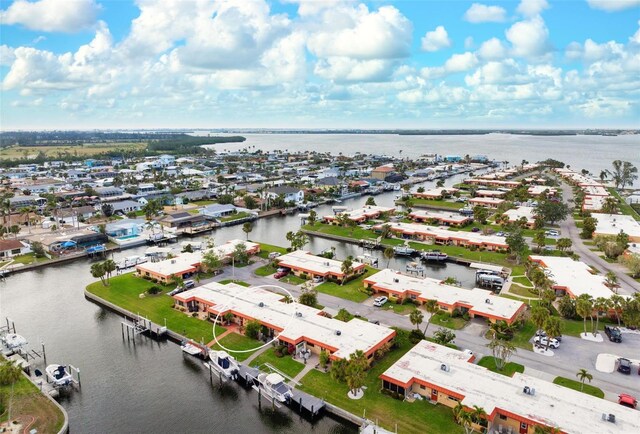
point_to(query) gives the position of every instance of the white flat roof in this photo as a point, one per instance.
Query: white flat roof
(595, 190)
(491, 200)
(436, 232)
(612, 224)
(307, 324)
(551, 405)
(573, 276)
(305, 261)
(439, 215)
(539, 189)
(367, 211)
(428, 288)
(519, 212)
(494, 193)
(593, 203)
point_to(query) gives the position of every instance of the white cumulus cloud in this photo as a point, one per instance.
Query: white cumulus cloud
(436, 40)
(493, 49)
(529, 38)
(479, 13)
(52, 15)
(531, 8)
(613, 5)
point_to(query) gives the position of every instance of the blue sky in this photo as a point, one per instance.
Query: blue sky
(319, 64)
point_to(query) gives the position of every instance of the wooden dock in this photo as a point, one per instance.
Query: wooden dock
(303, 401)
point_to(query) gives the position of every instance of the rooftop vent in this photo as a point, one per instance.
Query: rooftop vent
(261, 304)
(299, 314)
(529, 390)
(396, 280)
(611, 418)
(338, 332)
(488, 301)
(444, 367)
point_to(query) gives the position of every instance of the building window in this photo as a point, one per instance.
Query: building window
(422, 387)
(503, 417)
(523, 425)
(453, 398)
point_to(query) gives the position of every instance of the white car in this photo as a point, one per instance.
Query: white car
(543, 340)
(380, 301)
(552, 233)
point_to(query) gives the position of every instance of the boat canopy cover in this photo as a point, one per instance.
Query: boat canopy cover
(486, 267)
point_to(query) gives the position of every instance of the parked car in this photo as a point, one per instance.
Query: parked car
(380, 301)
(627, 400)
(281, 269)
(189, 284)
(318, 279)
(544, 341)
(177, 290)
(500, 234)
(552, 233)
(280, 274)
(543, 334)
(475, 229)
(624, 366)
(613, 333)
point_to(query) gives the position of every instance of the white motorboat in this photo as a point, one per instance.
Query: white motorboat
(223, 363)
(132, 261)
(192, 349)
(12, 342)
(434, 255)
(59, 375)
(273, 386)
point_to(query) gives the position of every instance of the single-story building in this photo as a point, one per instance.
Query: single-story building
(538, 190)
(436, 193)
(490, 193)
(361, 215)
(487, 202)
(11, 248)
(476, 302)
(613, 224)
(492, 182)
(125, 206)
(290, 194)
(514, 404)
(522, 212)
(440, 217)
(445, 237)
(302, 263)
(217, 210)
(304, 327)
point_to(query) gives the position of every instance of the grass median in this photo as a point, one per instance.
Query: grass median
(576, 385)
(509, 369)
(284, 364)
(351, 290)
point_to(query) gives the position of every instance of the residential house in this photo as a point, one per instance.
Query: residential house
(11, 248)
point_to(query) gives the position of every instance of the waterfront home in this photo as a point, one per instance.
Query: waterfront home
(290, 194)
(490, 193)
(476, 302)
(613, 224)
(109, 192)
(186, 264)
(445, 237)
(304, 327)
(438, 193)
(11, 248)
(304, 264)
(593, 203)
(63, 243)
(444, 218)
(382, 172)
(361, 215)
(541, 190)
(17, 202)
(486, 202)
(492, 182)
(514, 404)
(125, 206)
(218, 210)
(522, 213)
(573, 278)
(183, 221)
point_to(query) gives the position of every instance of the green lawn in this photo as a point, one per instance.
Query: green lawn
(575, 385)
(400, 309)
(284, 364)
(125, 290)
(265, 249)
(623, 206)
(444, 319)
(203, 202)
(27, 403)
(237, 282)
(462, 252)
(352, 232)
(351, 290)
(236, 216)
(522, 280)
(292, 279)
(29, 258)
(509, 369)
(426, 203)
(265, 270)
(522, 336)
(520, 290)
(238, 342)
(413, 417)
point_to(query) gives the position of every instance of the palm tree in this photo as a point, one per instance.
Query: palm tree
(346, 268)
(247, 228)
(584, 308)
(431, 306)
(552, 327)
(502, 350)
(97, 270)
(388, 254)
(539, 315)
(109, 267)
(457, 411)
(583, 375)
(601, 305)
(616, 303)
(611, 280)
(416, 317)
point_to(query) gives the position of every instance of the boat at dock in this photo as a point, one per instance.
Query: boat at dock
(193, 349)
(273, 386)
(368, 259)
(434, 256)
(222, 362)
(59, 375)
(11, 343)
(403, 251)
(131, 261)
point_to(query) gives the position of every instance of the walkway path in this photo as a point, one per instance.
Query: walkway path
(308, 367)
(253, 356)
(628, 285)
(230, 329)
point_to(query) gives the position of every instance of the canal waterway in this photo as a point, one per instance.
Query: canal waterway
(152, 387)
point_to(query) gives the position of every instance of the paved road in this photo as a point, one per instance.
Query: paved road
(574, 353)
(568, 228)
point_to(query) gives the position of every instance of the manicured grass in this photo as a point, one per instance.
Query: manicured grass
(575, 385)
(444, 319)
(521, 290)
(413, 417)
(265, 270)
(292, 279)
(461, 252)
(29, 258)
(284, 364)
(54, 151)
(28, 403)
(237, 282)
(203, 202)
(265, 249)
(623, 206)
(509, 369)
(522, 336)
(236, 216)
(426, 203)
(351, 290)
(124, 291)
(522, 280)
(354, 232)
(238, 342)
(400, 309)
